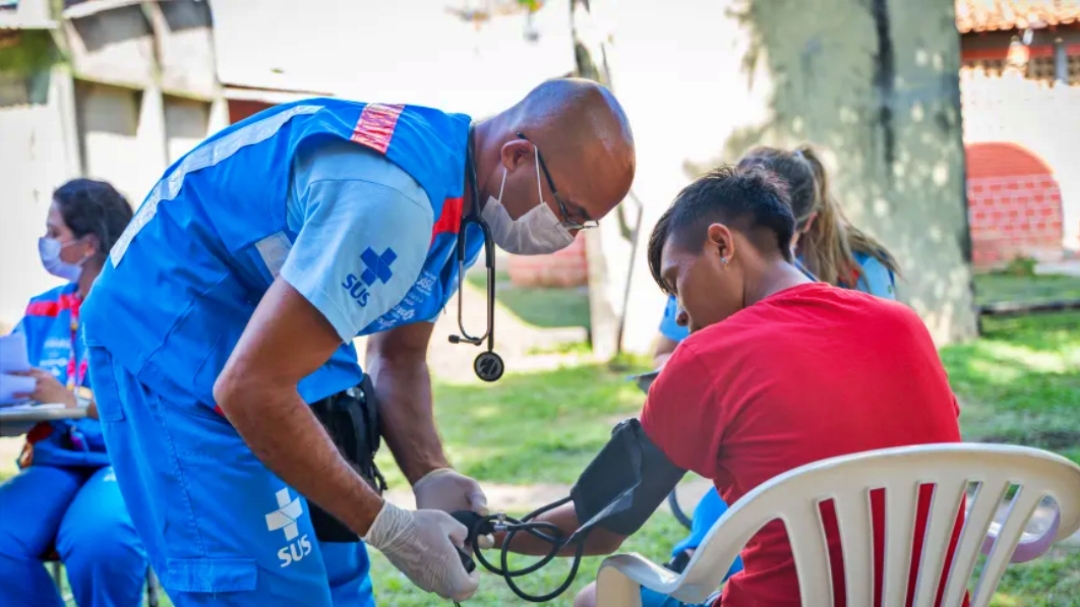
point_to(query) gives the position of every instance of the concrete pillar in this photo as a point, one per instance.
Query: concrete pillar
(62, 88)
(219, 114)
(151, 141)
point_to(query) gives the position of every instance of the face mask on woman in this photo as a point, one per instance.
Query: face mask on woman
(49, 249)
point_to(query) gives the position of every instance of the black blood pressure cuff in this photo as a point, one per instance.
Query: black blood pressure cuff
(625, 483)
(351, 418)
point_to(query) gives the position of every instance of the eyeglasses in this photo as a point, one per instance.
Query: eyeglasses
(567, 223)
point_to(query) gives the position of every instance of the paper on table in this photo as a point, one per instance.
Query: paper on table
(10, 385)
(32, 407)
(13, 353)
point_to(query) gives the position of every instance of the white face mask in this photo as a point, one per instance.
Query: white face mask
(537, 232)
(49, 250)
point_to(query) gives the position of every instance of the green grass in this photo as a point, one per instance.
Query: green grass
(530, 428)
(1050, 581)
(541, 307)
(1020, 383)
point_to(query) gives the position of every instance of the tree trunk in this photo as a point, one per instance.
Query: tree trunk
(590, 53)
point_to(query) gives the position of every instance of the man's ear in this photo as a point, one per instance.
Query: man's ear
(721, 240)
(809, 222)
(514, 152)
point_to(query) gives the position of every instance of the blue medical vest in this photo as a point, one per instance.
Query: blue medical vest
(209, 239)
(50, 345)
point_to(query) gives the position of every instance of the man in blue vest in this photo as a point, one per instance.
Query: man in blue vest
(231, 301)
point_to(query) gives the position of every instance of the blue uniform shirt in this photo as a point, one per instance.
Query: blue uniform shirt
(51, 346)
(876, 280)
(357, 206)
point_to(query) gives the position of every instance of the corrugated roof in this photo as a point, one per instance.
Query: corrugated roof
(997, 15)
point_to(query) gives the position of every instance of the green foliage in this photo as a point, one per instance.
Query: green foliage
(35, 51)
(1021, 266)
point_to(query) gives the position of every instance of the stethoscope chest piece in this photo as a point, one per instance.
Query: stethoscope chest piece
(488, 366)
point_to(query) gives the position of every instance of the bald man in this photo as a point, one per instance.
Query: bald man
(220, 331)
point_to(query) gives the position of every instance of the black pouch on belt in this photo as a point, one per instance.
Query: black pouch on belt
(351, 418)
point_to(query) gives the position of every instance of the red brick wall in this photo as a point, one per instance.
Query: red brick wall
(567, 268)
(242, 108)
(1014, 205)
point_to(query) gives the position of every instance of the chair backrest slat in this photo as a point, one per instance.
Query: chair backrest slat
(808, 544)
(848, 481)
(1023, 506)
(948, 499)
(856, 540)
(981, 510)
(901, 501)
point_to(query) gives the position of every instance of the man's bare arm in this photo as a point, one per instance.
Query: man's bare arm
(287, 339)
(397, 362)
(600, 541)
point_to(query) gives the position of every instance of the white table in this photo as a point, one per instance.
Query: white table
(15, 421)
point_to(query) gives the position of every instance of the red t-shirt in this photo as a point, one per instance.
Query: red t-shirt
(809, 373)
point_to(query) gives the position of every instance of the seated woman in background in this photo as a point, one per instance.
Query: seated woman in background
(827, 248)
(65, 496)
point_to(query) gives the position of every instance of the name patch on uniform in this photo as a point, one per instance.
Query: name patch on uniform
(376, 125)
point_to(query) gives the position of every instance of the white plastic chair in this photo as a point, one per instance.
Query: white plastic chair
(794, 498)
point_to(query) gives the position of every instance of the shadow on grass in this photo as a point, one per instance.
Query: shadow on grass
(1020, 384)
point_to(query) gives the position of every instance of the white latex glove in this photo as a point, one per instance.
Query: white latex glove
(446, 490)
(423, 544)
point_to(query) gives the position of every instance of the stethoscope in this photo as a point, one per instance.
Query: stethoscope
(488, 365)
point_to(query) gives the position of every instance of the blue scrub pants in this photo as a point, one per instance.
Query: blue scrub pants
(219, 527)
(80, 510)
(706, 513)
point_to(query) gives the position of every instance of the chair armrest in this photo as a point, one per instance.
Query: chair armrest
(1031, 546)
(621, 577)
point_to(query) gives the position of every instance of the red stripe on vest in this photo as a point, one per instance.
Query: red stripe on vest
(450, 220)
(53, 309)
(376, 125)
